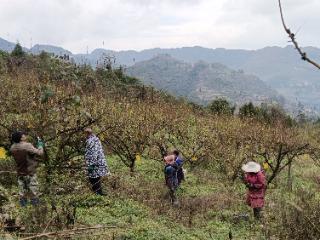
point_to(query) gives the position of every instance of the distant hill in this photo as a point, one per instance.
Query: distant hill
(38, 48)
(6, 46)
(202, 82)
(281, 68)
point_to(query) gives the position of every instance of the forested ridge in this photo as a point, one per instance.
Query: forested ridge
(202, 82)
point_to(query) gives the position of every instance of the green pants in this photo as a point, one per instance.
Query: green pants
(28, 184)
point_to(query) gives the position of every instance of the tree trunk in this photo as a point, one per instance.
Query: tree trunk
(289, 179)
(132, 166)
(48, 172)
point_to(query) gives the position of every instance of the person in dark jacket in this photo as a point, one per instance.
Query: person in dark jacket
(96, 161)
(24, 154)
(179, 162)
(170, 172)
(256, 183)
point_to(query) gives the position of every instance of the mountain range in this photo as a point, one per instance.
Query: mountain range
(202, 82)
(278, 67)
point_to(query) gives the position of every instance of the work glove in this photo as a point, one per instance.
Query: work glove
(241, 177)
(250, 185)
(90, 169)
(40, 143)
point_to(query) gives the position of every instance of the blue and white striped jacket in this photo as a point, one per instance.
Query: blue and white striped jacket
(95, 158)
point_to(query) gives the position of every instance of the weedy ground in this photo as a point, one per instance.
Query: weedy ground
(136, 206)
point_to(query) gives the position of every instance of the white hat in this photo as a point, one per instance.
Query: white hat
(251, 167)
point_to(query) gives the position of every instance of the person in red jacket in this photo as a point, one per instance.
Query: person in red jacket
(256, 183)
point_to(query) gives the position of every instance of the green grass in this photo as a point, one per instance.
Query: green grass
(135, 207)
(135, 220)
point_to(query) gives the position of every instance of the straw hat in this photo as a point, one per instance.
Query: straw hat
(251, 167)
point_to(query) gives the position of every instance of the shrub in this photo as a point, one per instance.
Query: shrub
(18, 51)
(299, 220)
(221, 106)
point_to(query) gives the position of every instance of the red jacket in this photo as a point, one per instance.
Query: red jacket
(257, 188)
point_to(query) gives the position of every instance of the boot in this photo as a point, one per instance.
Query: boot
(23, 202)
(35, 201)
(257, 213)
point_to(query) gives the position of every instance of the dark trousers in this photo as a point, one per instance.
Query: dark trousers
(257, 213)
(173, 197)
(96, 185)
(180, 175)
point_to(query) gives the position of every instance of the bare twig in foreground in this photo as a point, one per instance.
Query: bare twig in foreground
(66, 232)
(294, 41)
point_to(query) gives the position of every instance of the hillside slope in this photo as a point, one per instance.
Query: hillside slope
(281, 68)
(203, 82)
(52, 98)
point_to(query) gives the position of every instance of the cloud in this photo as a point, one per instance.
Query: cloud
(140, 24)
(260, 21)
(161, 2)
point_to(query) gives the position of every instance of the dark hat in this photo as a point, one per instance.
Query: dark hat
(16, 136)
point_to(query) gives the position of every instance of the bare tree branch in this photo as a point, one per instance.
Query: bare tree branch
(67, 232)
(294, 41)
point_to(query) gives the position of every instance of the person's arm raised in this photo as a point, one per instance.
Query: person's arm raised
(31, 149)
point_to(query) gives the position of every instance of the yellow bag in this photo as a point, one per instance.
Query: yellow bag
(3, 153)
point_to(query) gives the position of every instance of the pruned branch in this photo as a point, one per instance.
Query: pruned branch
(76, 129)
(67, 232)
(294, 41)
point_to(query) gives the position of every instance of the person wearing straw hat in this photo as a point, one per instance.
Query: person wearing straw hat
(256, 183)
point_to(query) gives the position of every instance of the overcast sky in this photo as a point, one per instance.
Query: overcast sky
(141, 24)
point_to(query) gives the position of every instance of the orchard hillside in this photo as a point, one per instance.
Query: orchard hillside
(56, 100)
